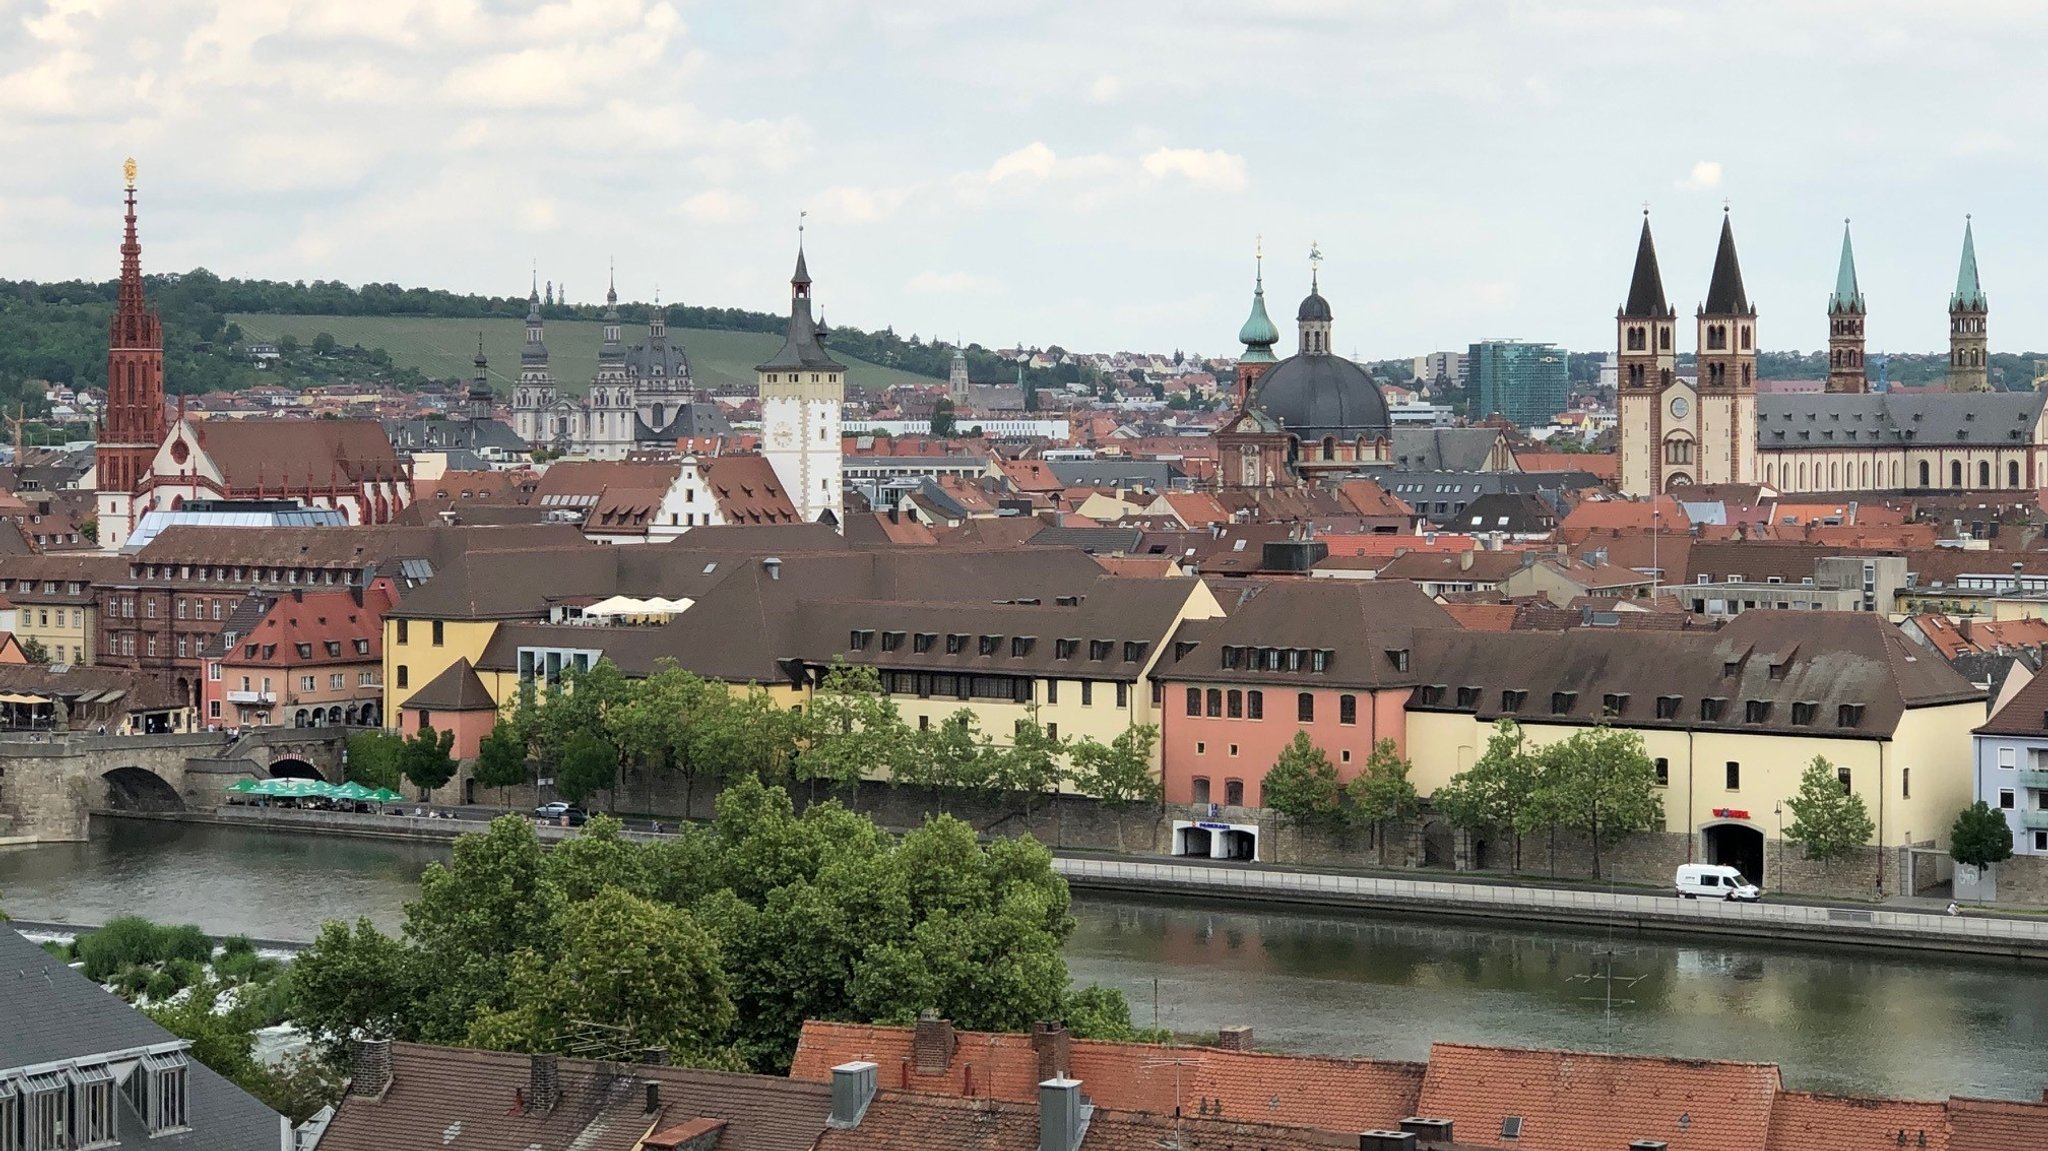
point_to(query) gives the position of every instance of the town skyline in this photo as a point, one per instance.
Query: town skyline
(1465, 176)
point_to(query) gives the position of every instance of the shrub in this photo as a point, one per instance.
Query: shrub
(184, 972)
(237, 945)
(184, 941)
(59, 948)
(123, 942)
(132, 981)
(160, 985)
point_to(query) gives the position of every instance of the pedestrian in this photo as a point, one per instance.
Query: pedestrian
(1952, 909)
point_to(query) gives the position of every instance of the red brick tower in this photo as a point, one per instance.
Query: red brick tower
(132, 427)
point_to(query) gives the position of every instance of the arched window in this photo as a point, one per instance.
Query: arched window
(1305, 707)
(2012, 473)
(1635, 340)
(1923, 474)
(1329, 447)
(1255, 704)
(1215, 703)
(1955, 473)
(1235, 708)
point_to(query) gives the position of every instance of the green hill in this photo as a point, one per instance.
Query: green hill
(445, 348)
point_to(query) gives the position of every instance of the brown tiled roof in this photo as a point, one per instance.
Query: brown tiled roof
(1803, 1122)
(1482, 616)
(1571, 1101)
(1305, 1090)
(748, 491)
(1358, 622)
(250, 453)
(896, 1121)
(441, 1097)
(1996, 1125)
(343, 547)
(580, 483)
(1485, 566)
(456, 689)
(2026, 713)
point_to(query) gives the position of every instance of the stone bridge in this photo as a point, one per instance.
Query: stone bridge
(49, 785)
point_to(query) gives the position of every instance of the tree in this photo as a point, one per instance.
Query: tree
(1382, 792)
(944, 425)
(373, 759)
(1498, 789)
(1033, 765)
(501, 758)
(588, 765)
(493, 899)
(1302, 786)
(1599, 782)
(648, 970)
(323, 344)
(851, 729)
(33, 651)
(657, 722)
(349, 980)
(951, 753)
(425, 762)
(1829, 820)
(1118, 773)
(1981, 836)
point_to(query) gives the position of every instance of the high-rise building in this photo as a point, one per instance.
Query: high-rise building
(1528, 384)
(133, 425)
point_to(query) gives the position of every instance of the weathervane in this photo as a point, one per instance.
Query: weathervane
(1315, 262)
(128, 171)
(800, 228)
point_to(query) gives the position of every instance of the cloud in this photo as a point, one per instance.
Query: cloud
(717, 206)
(1705, 174)
(859, 205)
(952, 284)
(1034, 161)
(1210, 169)
(1105, 89)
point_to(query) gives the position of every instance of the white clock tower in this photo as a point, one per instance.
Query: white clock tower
(802, 391)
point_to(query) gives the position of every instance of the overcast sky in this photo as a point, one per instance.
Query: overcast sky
(1087, 173)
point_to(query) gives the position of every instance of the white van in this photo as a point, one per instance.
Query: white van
(1715, 881)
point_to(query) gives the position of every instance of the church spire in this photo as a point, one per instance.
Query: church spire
(1848, 297)
(1646, 286)
(1725, 296)
(1969, 293)
(1258, 335)
(480, 396)
(1968, 315)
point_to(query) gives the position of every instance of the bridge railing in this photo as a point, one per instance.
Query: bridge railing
(1295, 885)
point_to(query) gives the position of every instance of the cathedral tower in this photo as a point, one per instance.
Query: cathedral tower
(534, 399)
(1845, 326)
(1649, 401)
(1258, 336)
(478, 400)
(132, 427)
(1727, 373)
(1967, 311)
(1312, 319)
(958, 389)
(803, 390)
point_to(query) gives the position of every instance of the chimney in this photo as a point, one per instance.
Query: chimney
(1237, 1038)
(1435, 1130)
(1063, 1114)
(1386, 1141)
(543, 1084)
(1465, 560)
(654, 1056)
(773, 566)
(853, 1088)
(932, 1044)
(1055, 1048)
(369, 1067)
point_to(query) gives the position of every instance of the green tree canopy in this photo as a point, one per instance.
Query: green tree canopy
(1118, 773)
(1302, 785)
(852, 729)
(501, 758)
(588, 764)
(1498, 790)
(373, 759)
(1829, 820)
(426, 761)
(1600, 782)
(1382, 791)
(1980, 836)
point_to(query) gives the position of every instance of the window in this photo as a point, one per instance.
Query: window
(2041, 841)
(1468, 697)
(955, 643)
(1064, 648)
(1234, 704)
(1194, 701)
(362, 645)
(305, 683)
(165, 1089)
(1098, 649)
(1305, 707)
(1052, 691)
(93, 1106)
(1215, 703)
(1734, 776)
(1614, 703)
(891, 640)
(213, 671)
(1200, 785)
(1347, 709)
(336, 681)
(404, 676)
(1663, 766)
(1756, 710)
(366, 679)
(1399, 658)
(1802, 714)
(1710, 709)
(2008, 758)
(213, 709)
(1233, 791)
(857, 640)
(1512, 700)
(1849, 715)
(305, 650)
(922, 642)
(1020, 645)
(2005, 799)
(1123, 694)
(403, 630)
(987, 644)
(1255, 704)
(1134, 651)
(1087, 693)
(1562, 702)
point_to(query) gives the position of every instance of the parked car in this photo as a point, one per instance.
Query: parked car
(1715, 881)
(560, 811)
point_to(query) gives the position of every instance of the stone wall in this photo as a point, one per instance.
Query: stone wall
(2022, 879)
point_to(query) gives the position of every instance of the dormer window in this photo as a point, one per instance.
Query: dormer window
(1468, 697)
(1561, 702)
(891, 640)
(955, 643)
(1849, 715)
(1756, 710)
(1020, 645)
(1614, 703)
(988, 644)
(1398, 657)
(1098, 649)
(1064, 648)
(1667, 706)
(1511, 700)
(1134, 651)
(922, 642)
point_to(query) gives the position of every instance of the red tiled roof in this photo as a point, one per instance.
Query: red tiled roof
(317, 619)
(1570, 1101)
(1803, 1122)
(1483, 616)
(1605, 465)
(747, 491)
(1996, 1125)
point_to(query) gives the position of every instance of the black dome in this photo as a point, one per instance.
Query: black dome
(1317, 396)
(1313, 307)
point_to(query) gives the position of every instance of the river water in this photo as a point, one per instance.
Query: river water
(1341, 983)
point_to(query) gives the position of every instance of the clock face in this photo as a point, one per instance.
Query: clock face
(781, 437)
(1678, 407)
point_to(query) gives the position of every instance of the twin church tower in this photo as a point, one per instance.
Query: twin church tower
(1676, 431)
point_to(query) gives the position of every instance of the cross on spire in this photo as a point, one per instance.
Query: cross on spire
(1315, 263)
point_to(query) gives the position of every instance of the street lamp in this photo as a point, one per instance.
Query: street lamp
(1779, 810)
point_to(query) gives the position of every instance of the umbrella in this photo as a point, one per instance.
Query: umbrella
(385, 795)
(247, 787)
(352, 792)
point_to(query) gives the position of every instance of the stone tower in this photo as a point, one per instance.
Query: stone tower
(533, 400)
(1649, 400)
(1258, 335)
(1727, 367)
(1967, 311)
(803, 390)
(1845, 326)
(478, 400)
(611, 392)
(957, 387)
(132, 427)
(1312, 319)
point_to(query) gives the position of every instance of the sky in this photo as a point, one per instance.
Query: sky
(1092, 174)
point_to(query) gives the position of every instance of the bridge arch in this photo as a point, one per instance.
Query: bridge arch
(292, 767)
(140, 789)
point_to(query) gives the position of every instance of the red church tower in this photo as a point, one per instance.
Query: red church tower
(132, 427)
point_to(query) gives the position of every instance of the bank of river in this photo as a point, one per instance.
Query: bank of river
(1338, 983)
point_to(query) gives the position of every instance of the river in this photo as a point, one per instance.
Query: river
(1348, 984)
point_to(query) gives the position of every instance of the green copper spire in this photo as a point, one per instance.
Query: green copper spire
(1847, 297)
(1969, 293)
(1258, 334)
